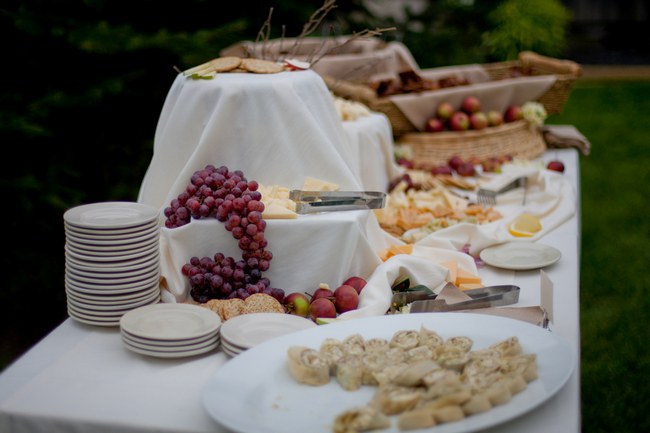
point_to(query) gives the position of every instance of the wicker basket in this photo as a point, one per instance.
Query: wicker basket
(517, 139)
(566, 73)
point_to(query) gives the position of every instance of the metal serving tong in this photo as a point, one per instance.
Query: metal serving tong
(489, 196)
(484, 297)
(330, 201)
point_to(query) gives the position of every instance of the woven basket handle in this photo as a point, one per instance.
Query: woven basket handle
(555, 66)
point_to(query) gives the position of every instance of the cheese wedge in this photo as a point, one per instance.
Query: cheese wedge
(466, 277)
(470, 286)
(452, 265)
(313, 184)
(276, 211)
(394, 250)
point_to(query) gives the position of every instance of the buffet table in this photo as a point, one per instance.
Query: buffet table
(81, 378)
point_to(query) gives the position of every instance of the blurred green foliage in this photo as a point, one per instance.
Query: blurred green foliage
(518, 25)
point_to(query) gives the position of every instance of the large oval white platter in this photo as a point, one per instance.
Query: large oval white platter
(283, 405)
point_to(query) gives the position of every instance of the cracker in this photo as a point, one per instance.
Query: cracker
(225, 64)
(262, 303)
(231, 307)
(261, 66)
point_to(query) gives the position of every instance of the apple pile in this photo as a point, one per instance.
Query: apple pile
(467, 167)
(326, 303)
(469, 116)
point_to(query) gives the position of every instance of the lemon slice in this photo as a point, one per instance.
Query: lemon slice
(524, 225)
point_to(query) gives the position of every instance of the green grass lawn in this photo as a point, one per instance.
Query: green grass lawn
(615, 177)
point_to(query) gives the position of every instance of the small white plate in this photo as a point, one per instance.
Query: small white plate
(110, 273)
(110, 215)
(168, 321)
(248, 330)
(520, 255)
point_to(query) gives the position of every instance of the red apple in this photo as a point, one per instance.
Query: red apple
(407, 163)
(556, 166)
(322, 307)
(459, 121)
(491, 165)
(444, 110)
(322, 292)
(357, 282)
(442, 169)
(346, 298)
(297, 304)
(471, 104)
(513, 113)
(455, 161)
(466, 169)
(494, 118)
(434, 125)
(478, 120)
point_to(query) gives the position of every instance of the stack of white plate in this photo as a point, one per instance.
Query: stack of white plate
(112, 260)
(170, 330)
(242, 332)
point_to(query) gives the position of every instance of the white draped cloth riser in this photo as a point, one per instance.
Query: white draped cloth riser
(277, 128)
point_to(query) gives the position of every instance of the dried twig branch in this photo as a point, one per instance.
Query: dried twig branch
(363, 33)
(314, 21)
(264, 33)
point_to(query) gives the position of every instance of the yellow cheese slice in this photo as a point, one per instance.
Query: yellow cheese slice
(465, 277)
(452, 265)
(469, 286)
(313, 184)
(276, 211)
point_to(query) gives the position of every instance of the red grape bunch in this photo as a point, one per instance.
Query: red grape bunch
(230, 198)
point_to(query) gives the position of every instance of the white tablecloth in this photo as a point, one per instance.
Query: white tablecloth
(82, 379)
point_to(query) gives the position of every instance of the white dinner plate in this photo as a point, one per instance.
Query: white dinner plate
(94, 320)
(111, 299)
(212, 341)
(148, 252)
(131, 243)
(111, 289)
(110, 215)
(229, 351)
(282, 405)
(106, 273)
(520, 255)
(234, 349)
(248, 330)
(169, 321)
(112, 265)
(111, 280)
(152, 246)
(153, 343)
(171, 354)
(104, 233)
(75, 302)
